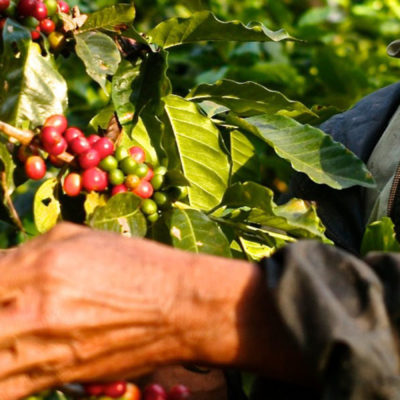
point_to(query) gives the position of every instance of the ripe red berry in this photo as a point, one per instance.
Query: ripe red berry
(63, 6)
(118, 189)
(50, 136)
(4, 4)
(24, 152)
(144, 189)
(89, 159)
(72, 184)
(35, 167)
(94, 179)
(115, 389)
(35, 34)
(79, 145)
(40, 11)
(26, 8)
(154, 391)
(47, 26)
(149, 176)
(58, 148)
(94, 389)
(105, 147)
(179, 392)
(72, 132)
(93, 139)
(2, 23)
(56, 161)
(57, 121)
(138, 154)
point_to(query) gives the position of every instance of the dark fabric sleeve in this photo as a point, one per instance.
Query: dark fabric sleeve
(333, 304)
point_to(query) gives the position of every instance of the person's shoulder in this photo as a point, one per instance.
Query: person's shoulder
(360, 127)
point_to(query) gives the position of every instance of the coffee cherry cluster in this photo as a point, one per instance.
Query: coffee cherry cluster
(129, 391)
(40, 16)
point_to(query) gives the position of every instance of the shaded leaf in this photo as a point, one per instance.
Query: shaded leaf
(193, 145)
(103, 118)
(46, 208)
(121, 214)
(100, 55)
(309, 150)
(248, 98)
(193, 231)
(204, 25)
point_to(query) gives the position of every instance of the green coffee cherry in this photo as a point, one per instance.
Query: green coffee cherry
(121, 152)
(31, 22)
(149, 207)
(108, 163)
(142, 170)
(179, 192)
(116, 177)
(152, 217)
(11, 9)
(161, 199)
(160, 170)
(51, 7)
(128, 165)
(157, 181)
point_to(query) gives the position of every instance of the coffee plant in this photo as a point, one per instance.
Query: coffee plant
(182, 170)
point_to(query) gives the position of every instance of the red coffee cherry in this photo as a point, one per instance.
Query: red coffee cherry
(63, 6)
(89, 159)
(94, 389)
(154, 391)
(35, 167)
(58, 148)
(35, 34)
(4, 4)
(24, 152)
(26, 8)
(72, 184)
(57, 121)
(50, 135)
(118, 189)
(115, 389)
(138, 154)
(56, 161)
(149, 176)
(47, 26)
(179, 392)
(79, 145)
(93, 139)
(2, 23)
(40, 11)
(72, 132)
(105, 147)
(144, 189)
(94, 179)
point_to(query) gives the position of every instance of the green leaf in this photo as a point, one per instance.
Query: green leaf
(193, 231)
(193, 144)
(109, 18)
(256, 251)
(102, 118)
(296, 218)
(121, 214)
(100, 55)
(247, 99)
(309, 150)
(31, 87)
(380, 236)
(8, 168)
(204, 25)
(46, 208)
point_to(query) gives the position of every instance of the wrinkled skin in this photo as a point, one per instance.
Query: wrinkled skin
(81, 305)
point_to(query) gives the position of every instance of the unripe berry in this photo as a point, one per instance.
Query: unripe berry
(58, 148)
(108, 163)
(47, 26)
(118, 189)
(57, 121)
(94, 179)
(72, 184)
(149, 207)
(116, 177)
(142, 170)
(63, 6)
(4, 4)
(93, 139)
(121, 152)
(115, 389)
(157, 181)
(79, 145)
(26, 8)
(153, 217)
(40, 11)
(72, 133)
(138, 154)
(89, 159)
(35, 167)
(161, 170)
(161, 199)
(132, 181)
(31, 22)
(179, 392)
(105, 147)
(128, 165)
(51, 6)
(154, 392)
(56, 40)
(50, 135)
(144, 190)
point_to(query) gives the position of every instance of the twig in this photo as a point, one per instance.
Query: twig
(25, 137)
(10, 204)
